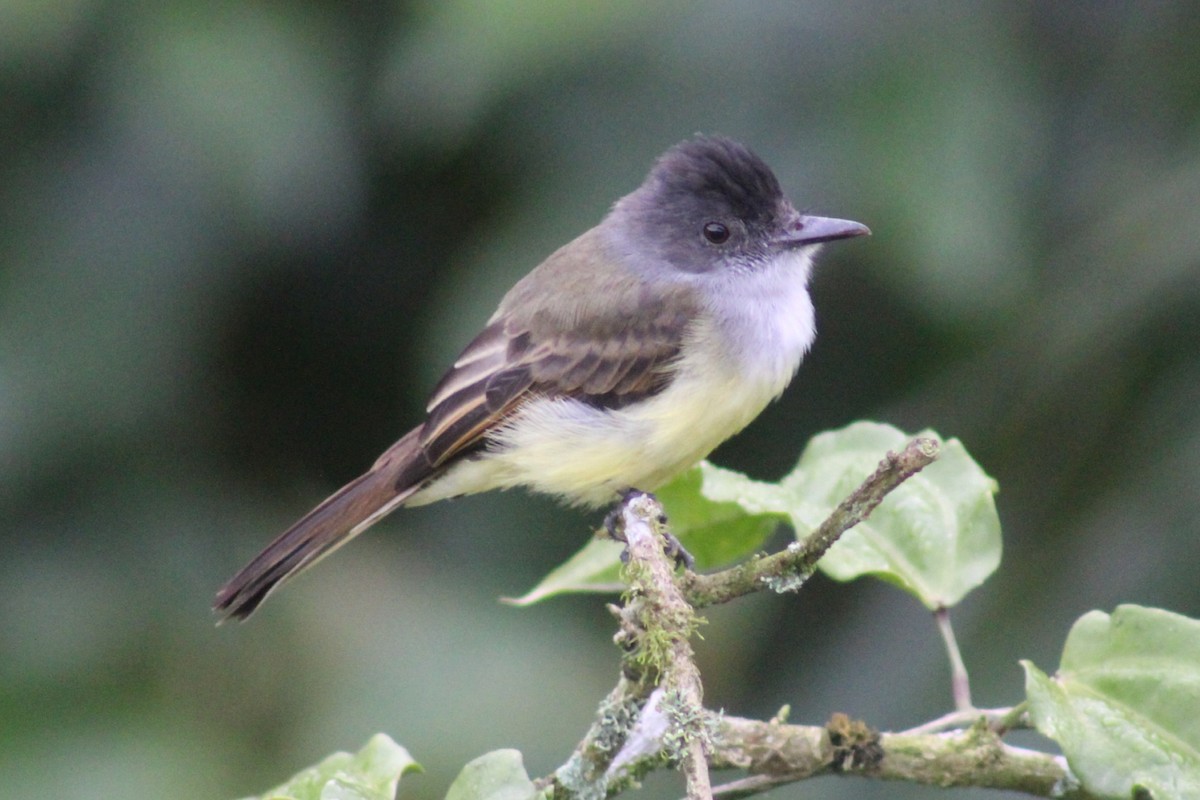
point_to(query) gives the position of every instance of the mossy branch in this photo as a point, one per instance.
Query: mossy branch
(656, 625)
(656, 714)
(777, 754)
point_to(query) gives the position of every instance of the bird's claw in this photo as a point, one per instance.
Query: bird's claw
(614, 525)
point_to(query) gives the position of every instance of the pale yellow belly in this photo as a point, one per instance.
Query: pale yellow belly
(587, 455)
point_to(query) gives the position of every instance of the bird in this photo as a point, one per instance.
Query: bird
(621, 360)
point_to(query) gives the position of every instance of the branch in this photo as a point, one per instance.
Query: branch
(779, 754)
(586, 773)
(656, 713)
(788, 569)
(668, 622)
(776, 754)
(657, 708)
(999, 720)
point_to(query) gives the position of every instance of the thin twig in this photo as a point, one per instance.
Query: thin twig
(957, 720)
(788, 569)
(960, 681)
(749, 786)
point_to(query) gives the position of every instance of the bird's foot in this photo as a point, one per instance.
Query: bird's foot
(672, 546)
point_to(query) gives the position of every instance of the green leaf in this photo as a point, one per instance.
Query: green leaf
(595, 568)
(1125, 702)
(372, 773)
(498, 775)
(716, 515)
(937, 536)
(707, 516)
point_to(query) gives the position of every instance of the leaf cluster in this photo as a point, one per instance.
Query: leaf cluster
(1123, 705)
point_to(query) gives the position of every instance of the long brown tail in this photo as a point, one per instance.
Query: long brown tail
(398, 473)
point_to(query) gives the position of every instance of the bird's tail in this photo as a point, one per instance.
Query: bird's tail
(395, 477)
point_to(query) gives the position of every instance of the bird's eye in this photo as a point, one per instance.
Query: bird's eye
(716, 233)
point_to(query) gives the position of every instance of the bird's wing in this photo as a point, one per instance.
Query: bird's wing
(606, 360)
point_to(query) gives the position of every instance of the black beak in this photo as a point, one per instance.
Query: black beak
(814, 230)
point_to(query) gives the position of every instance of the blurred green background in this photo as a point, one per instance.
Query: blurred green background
(239, 241)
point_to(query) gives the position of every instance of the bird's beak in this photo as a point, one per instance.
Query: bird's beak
(804, 230)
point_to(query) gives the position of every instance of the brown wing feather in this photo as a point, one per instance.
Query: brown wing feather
(481, 390)
(579, 326)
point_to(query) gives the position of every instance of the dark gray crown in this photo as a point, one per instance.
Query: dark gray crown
(702, 181)
(718, 171)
